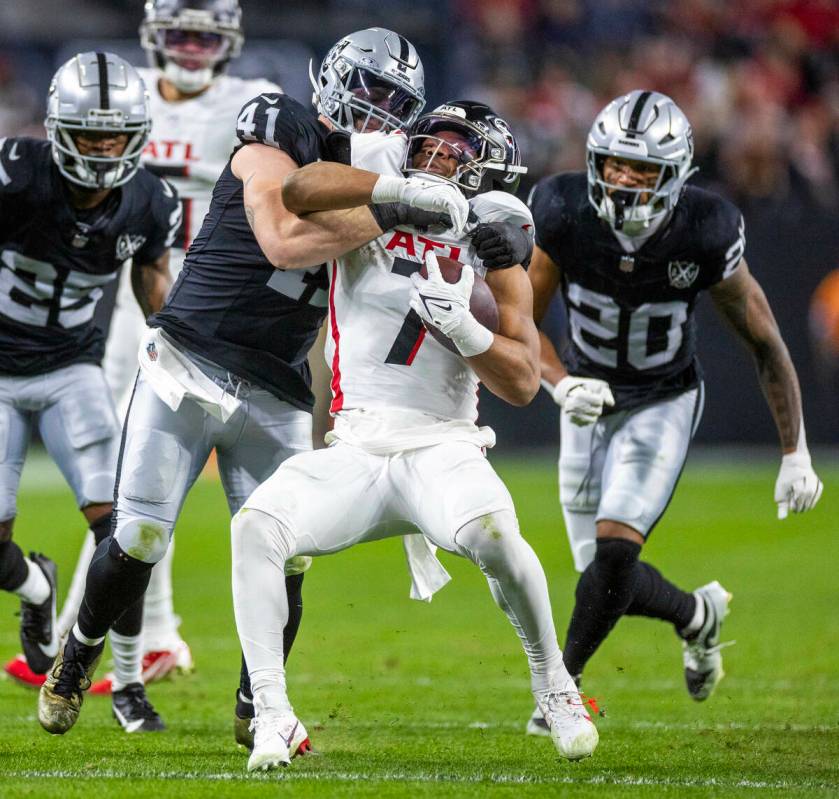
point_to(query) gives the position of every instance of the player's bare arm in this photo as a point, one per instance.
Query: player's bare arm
(582, 398)
(327, 186)
(510, 367)
(742, 303)
(289, 241)
(151, 283)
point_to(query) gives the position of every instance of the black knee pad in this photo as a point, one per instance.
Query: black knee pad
(101, 528)
(13, 568)
(615, 555)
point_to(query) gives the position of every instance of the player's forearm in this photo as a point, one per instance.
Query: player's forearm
(779, 384)
(150, 284)
(509, 369)
(327, 186)
(551, 367)
(323, 236)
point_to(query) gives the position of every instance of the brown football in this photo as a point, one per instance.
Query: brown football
(482, 304)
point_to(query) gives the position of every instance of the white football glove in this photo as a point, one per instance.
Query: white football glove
(582, 398)
(797, 488)
(430, 195)
(446, 307)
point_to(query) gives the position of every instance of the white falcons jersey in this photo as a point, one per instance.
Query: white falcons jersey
(379, 352)
(191, 141)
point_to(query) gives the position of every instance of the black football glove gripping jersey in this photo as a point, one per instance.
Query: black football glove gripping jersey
(501, 245)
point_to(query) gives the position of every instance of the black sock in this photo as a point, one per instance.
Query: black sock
(130, 621)
(658, 598)
(604, 592)
(114, 582)
(294, 589)
(13, 568)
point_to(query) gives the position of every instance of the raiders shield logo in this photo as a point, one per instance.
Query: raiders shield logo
(127, 245)
(682, 273)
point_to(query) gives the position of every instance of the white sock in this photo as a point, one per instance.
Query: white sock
(73, 600)
(519, 587)
(35, 589)
(260, 603)
(160, 624)
(698, 618)
(128, 656)
(83, 639)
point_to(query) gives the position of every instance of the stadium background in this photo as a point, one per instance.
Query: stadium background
(759, 80)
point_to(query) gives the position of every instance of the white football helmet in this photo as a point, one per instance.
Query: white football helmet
(191, 41)
(642, 126)
(97, 92)
(370, 80)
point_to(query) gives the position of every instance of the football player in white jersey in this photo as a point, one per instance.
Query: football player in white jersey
(194, 104)
(406, 455)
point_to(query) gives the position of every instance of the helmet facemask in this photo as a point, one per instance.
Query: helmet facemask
(96, 172)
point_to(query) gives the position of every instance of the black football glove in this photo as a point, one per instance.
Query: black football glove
(338, 147)
(501, 245)
(391, 215)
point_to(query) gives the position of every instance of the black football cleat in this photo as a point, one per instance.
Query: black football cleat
(38, 634)
(133, 710)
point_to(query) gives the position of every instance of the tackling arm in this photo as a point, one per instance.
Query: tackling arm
(151, 283)
(289, 241)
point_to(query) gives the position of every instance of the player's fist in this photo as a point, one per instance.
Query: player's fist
(582, 398)
(430, 195)
(797, 488)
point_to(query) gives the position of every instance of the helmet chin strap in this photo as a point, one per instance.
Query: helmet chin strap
(188, 80)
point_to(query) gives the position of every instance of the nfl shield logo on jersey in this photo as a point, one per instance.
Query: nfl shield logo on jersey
(151, 351)
(682, 273)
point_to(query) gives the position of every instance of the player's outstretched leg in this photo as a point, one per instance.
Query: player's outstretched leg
(520, 589)
(261, 548)
(115, 581)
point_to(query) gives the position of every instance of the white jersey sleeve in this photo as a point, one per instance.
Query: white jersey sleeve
(383, 153)
(500, 206)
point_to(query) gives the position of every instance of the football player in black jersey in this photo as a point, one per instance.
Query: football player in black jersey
(630, 246)
(75, 208)
(223, 364)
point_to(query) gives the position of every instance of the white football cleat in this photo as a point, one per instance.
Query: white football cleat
(571, 728)
(536, 725)
(275, 737)
(701, 655)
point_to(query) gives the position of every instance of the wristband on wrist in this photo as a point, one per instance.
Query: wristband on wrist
(387, 189)
(471, 337)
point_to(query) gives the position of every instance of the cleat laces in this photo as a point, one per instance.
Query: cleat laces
(71, 679)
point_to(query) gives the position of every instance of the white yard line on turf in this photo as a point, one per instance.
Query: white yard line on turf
(425, 777)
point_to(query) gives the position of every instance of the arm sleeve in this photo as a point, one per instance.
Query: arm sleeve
(279, 121)
(165, 212)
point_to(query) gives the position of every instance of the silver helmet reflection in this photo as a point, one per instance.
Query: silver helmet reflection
(642, 126)
(370, 80)
(97, 92)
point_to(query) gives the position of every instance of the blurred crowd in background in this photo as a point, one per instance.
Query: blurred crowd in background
(759, 80)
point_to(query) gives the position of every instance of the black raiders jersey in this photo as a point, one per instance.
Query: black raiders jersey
(55, 259)
(230, 304)
(631, 315)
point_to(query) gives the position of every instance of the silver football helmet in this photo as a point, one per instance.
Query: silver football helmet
(101, 93)
(191, 41)
(370, 80)
(641, 126)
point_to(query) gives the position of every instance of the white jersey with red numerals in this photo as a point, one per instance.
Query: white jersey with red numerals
(191, 141)
(382, 358)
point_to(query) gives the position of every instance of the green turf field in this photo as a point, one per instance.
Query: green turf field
(407, 699)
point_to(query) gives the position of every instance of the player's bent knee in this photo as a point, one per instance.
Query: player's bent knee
(256, 533)
(490, 540)
(143, 539)
(614, 555)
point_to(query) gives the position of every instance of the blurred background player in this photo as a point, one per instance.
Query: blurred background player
(189, 44)
(75, 209)
(224, 363)
(406, 454)
(632, 247)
